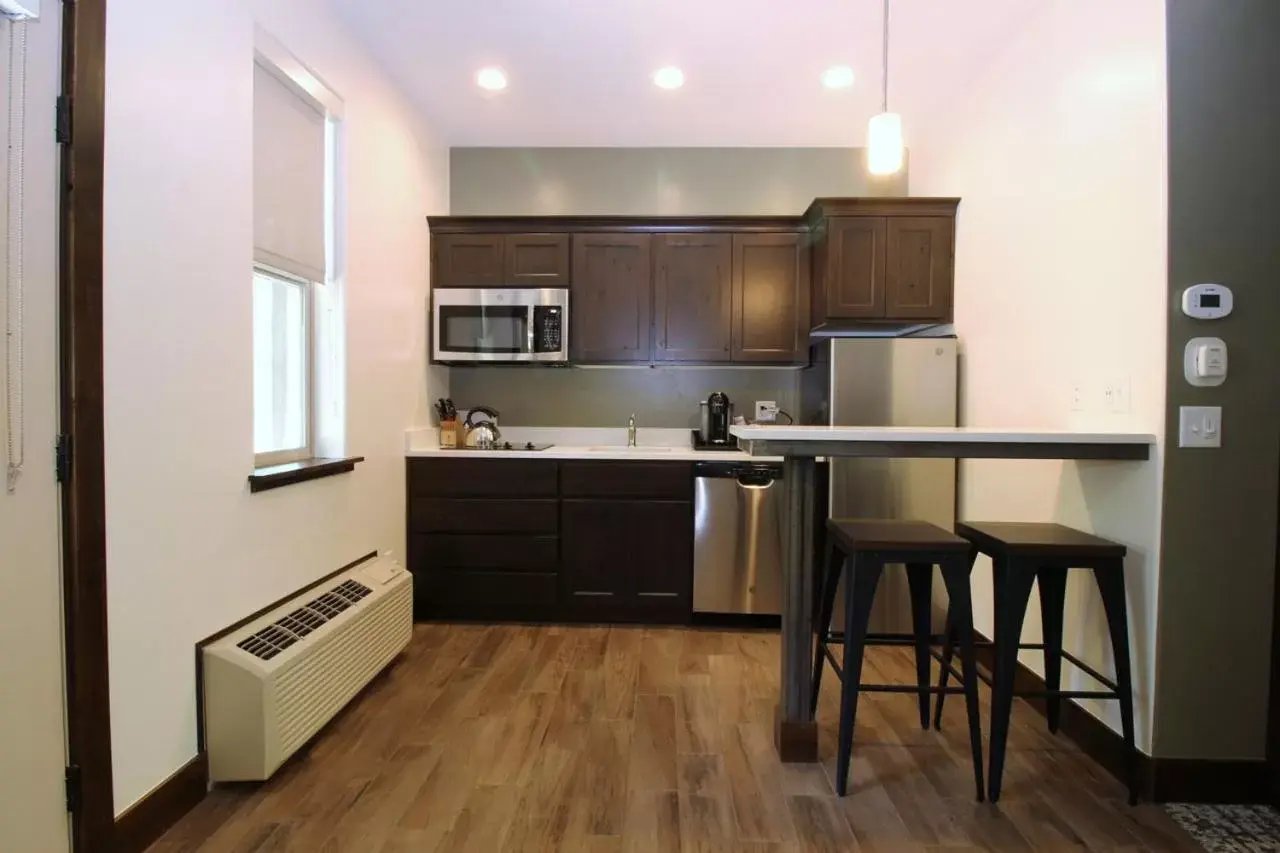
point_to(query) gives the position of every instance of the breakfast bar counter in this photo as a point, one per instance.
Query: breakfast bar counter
(796, 733)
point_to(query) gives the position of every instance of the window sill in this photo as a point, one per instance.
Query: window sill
(278, 476)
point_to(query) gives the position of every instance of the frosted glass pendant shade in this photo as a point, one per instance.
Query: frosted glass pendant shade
(885, 148)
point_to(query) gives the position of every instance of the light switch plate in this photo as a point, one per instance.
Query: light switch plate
(1200, 426)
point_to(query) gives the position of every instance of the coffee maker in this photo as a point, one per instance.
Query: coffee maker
(716, 416)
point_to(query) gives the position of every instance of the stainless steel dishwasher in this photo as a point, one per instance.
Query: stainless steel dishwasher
(737, 551)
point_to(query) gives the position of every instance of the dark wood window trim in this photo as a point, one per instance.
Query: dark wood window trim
(277, 476)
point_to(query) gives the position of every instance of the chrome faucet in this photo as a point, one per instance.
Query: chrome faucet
(631, 430)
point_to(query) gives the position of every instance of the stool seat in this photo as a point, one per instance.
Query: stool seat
(856, 535)
(1036, 539)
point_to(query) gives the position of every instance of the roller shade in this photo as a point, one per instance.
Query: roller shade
(288, 178)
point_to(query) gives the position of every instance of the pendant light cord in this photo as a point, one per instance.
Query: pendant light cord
(884, 76)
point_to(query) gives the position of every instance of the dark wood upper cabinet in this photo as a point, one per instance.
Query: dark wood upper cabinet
(467, 260)
(500, 260)
(884, 259)
(770, 298)
(855, 268)
(536, 260)
(918, 275)
(693, 298)
(611, 300)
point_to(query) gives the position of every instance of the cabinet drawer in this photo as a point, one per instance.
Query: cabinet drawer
(477, 594)
(482, 478)
(485, 515)
(472, 552)
(671, 481)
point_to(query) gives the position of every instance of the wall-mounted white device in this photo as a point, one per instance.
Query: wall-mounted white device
(1204, 361)
(1207, 301)
(20, 10)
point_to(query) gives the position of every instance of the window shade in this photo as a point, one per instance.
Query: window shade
(288, 179)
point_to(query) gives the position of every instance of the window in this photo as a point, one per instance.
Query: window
(294, 342)
(282, 368)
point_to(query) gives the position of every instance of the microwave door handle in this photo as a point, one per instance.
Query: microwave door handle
(529, 327)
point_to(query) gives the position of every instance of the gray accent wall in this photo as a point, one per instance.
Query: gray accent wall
(1218, 540)
(656, 181)
(605, 397)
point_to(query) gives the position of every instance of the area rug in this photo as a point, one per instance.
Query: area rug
(1229, 829)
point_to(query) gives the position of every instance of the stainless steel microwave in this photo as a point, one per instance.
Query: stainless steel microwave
(496, 325)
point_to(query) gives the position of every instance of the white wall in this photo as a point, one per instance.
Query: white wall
(1058, 152)
(32, 807)
(189, 549)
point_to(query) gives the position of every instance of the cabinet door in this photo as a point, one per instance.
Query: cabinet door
(611, 302)
(693, 297)
(536, 260)
(625, 560)
(595, 539)
(855, 267)
(770, 298)
(918, 277)
(661, 561)
(467, 260)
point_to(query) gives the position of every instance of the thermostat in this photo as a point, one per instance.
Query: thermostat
(1206, 301)
(1204, 361)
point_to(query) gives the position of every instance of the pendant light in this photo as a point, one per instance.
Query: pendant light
(885, 148)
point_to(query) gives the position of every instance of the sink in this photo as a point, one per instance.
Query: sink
(622, 449)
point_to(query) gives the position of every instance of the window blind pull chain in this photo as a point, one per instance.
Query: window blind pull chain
(15, 434)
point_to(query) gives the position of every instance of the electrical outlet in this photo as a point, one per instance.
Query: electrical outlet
(1115, 395)
(766, 411)
(1077, 397)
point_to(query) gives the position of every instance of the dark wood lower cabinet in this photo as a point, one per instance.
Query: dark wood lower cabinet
(627, 560)
(615, 543)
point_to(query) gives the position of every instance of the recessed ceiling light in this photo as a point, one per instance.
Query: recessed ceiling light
(838, 77)
(491, 79)
(668, 78)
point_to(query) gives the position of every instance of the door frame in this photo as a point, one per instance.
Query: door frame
(81, 118)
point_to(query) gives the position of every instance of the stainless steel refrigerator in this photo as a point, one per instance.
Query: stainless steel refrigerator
(887, 381)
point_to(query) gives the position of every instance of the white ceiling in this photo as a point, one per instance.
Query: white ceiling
(580, 69)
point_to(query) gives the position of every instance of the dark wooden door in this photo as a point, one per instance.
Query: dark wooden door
(855, 267)
(918, 268)
(627, 560)
(661, 557)
(595, 558)
(693, 298)
(467, 260)
(770, 298)
(536, 260)
(611, 300)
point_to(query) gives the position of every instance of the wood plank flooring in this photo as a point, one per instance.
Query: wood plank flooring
(632, 740)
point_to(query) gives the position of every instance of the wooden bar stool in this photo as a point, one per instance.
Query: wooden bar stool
(1032, 553)
(862, 549)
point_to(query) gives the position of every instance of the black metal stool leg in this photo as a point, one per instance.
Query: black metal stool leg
(822, 625)
(949, 641)
(1110, 580)
(1053, 600)
(859, 594)
(960, 614)
(920, 587)
(1013, 593)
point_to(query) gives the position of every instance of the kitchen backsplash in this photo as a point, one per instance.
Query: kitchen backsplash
(605, 397)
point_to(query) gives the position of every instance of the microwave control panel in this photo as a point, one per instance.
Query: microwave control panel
(548, 332)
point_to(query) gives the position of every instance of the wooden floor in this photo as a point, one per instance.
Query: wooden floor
(518, 738)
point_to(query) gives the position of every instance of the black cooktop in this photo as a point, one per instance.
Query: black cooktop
(506, 445)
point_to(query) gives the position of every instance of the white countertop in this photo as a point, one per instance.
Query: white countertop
(933, 435)
(585, 443)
